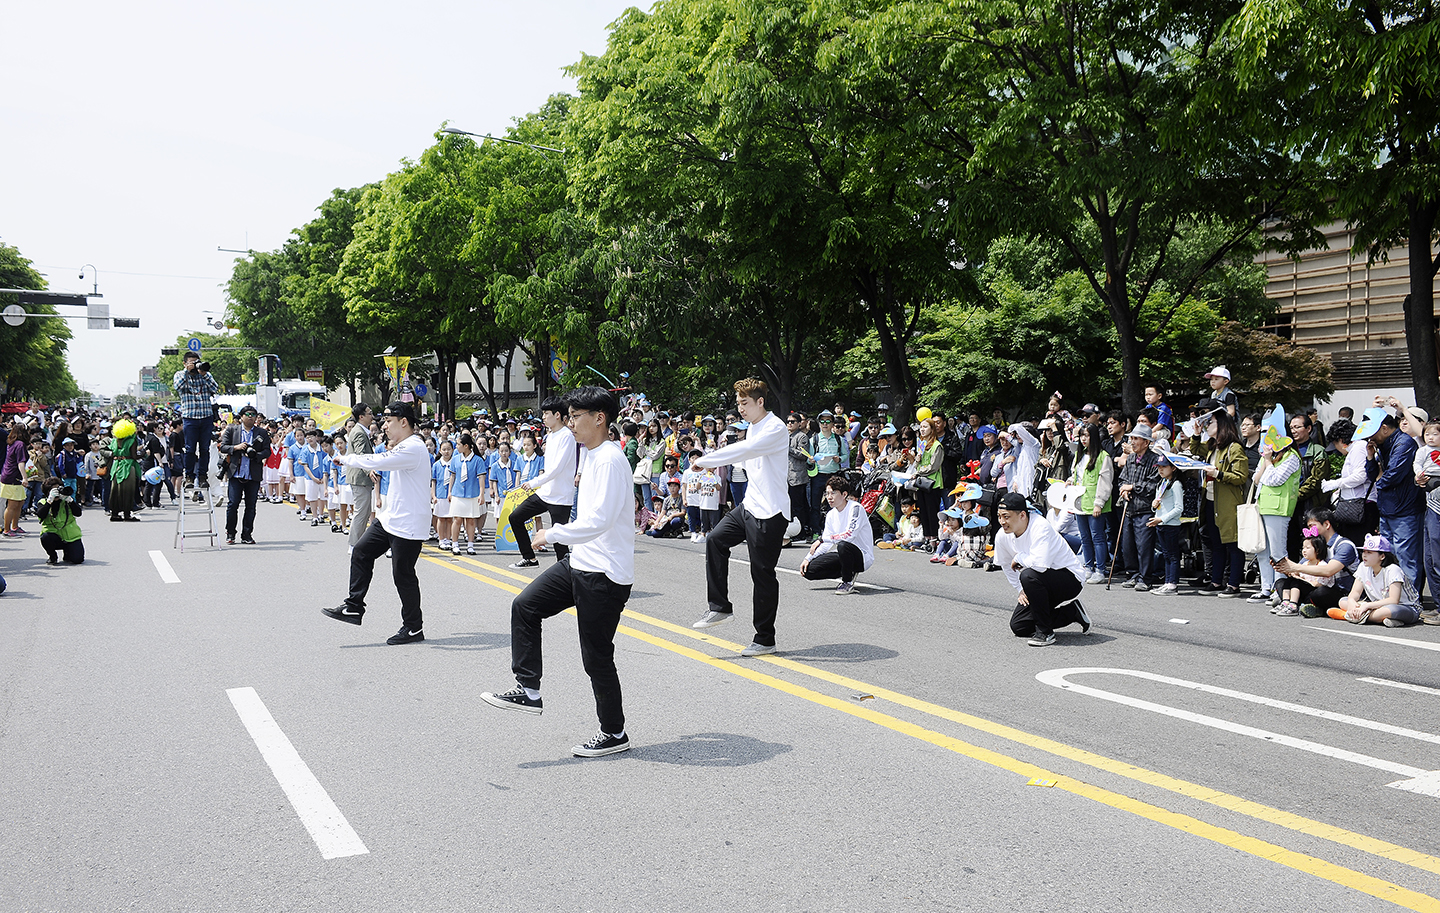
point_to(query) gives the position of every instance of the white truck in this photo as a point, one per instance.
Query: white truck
(280, 400)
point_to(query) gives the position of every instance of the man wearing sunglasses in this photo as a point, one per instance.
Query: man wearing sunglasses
(401, 525)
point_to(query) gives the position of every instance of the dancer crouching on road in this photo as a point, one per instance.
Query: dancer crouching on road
(595, 577)
(847, 546)
(759, 521)
(1043, 570)
(401, 525)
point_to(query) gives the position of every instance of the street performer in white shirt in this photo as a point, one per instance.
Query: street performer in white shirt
(1043, 569)
(759, 521)
(401, 525)
(595, 577)
(554, 488)
(847, 546)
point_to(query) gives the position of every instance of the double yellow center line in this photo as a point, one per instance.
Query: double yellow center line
(1254, 846)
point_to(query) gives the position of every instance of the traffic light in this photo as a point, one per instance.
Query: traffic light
(130, 322)
(170, 350)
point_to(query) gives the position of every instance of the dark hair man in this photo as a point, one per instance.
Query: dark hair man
(759, 521)
(554, 488)
(246, 447)
(595, 577)
(847, 545)
(195, 387)
(359, 443)
(400, 527)
(1043, 569)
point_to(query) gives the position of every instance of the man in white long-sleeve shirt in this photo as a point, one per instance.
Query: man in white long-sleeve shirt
(554, 487)
(400, 527)
(847, 546)
(759, 521)
(595, 577)
(1043, 569)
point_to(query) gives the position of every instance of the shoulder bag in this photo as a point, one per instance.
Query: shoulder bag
(1250, 532)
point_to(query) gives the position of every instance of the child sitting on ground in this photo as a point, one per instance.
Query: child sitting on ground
(908, 532)
(1313, 551)
(1381, 593)
(671, 519)
(948, 544)
(974, 541)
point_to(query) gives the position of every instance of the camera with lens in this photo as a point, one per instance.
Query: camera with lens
(57, 494)
(204, 366)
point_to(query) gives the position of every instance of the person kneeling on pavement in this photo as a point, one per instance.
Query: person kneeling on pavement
(847, 546)
(59, 529)
(1043, 570)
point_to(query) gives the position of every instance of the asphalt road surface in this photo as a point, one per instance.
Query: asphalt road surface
(216, 744)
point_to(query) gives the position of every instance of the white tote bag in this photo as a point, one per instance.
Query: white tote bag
(1250, 537)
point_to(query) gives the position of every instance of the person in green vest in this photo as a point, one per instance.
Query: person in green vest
(1095, 472)
(1279, 476)
(124, 472)
(59, 528)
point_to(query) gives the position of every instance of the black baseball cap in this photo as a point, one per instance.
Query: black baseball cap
(1014, 501)
(401, 410)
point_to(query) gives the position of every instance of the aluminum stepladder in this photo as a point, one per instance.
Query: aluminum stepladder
(195, 505)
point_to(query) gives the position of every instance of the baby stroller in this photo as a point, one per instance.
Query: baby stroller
(878, 496)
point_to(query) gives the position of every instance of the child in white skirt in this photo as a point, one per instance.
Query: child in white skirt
(440, 496)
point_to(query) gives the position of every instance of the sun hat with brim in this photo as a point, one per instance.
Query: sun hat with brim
(1220, 371)
(1142, 432)
(976, 521)
(68, 440)
(954, 512)
(826, 414)
(972, 492)
(1377, 544)
(887, 431)
(1418, 416)
(1369, 424)
(742, 425)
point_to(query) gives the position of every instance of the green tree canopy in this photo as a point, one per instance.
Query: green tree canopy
(33, 363)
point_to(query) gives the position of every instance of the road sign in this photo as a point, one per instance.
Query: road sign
(193, 345)
(14, 315)
(421, 389)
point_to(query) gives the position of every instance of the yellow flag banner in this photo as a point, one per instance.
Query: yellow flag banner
(504, 533)
(327, 415)
(399, 368)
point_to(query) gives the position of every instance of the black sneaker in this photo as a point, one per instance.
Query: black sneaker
(246, 540)
(345, 613)
(229, 540)
(602, 745)
(1084, 618)
(523, 563)
(406, 636)
(514, 699)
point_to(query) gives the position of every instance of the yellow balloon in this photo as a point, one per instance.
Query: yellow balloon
(923, 414)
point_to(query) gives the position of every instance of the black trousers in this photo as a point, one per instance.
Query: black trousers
(763, 538)
(598, 602)
(249, 490)
(844, 561)
(800, 505)
(534, 507)
(403, 555)
(74, 552)
(1045, 590)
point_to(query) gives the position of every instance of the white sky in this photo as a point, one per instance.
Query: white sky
(140, 137)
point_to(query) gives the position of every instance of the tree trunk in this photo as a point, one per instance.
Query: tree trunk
(541, 367)
(509, 361)
(1420, 314)
(490, 388)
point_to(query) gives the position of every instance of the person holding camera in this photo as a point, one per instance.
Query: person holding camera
(59, 529)
(196, 389)
(245, 447)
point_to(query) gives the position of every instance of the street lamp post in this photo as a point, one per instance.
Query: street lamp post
(499, 139)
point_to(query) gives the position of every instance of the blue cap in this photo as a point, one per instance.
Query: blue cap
(988, 429)
(976, 522)
(888, 429)
(954, 512)
(742, 425)
(972, 493)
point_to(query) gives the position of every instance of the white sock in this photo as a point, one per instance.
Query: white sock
(531, 693)
(616, 735)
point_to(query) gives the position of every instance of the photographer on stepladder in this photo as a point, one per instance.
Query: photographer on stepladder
(245, 447)
(196, 389)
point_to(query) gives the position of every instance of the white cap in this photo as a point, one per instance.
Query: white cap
(1220, 371)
